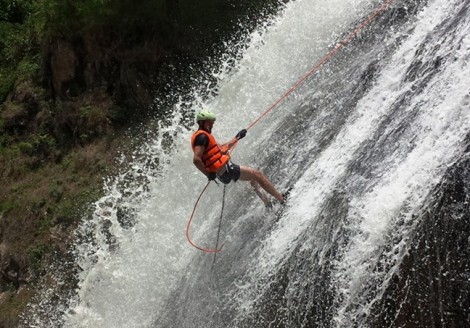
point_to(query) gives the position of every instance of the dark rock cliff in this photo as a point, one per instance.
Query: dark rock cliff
(432, 288)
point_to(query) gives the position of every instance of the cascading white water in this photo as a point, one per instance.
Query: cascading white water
(125, 288)
(145, 274)
(391, 207)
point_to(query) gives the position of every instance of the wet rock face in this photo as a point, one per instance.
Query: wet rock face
(20, 110)
(97, 63)
(12, 270)
(64, 62)
(433, 287)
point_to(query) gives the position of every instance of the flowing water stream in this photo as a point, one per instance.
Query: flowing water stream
(365, 145)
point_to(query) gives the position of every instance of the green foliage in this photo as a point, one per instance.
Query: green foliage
(6, 206)
(93, 120)
(36, 254)
(57, 191)
(43, 144)
(74, 208)
(70, 18)
(37, 145)
(27, 67)
(45, 224)
(91, 113)
(27, 26)
(10, 152)
(26, 148)
(7, 80)
(13, 10)
(19, 43)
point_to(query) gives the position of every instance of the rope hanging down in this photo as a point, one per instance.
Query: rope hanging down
(302, 79)
(207, 250)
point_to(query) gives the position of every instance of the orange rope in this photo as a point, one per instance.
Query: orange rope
(207, 250)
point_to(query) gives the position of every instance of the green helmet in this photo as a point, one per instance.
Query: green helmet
(205, 115)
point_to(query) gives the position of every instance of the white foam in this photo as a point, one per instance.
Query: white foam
(127, 287)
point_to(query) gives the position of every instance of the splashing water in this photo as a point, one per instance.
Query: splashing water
(362, 143)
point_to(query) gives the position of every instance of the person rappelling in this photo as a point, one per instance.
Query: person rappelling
(213, 160)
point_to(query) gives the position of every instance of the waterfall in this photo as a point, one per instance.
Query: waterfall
(366, 145)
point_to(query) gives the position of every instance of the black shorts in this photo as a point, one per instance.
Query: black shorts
(232, 172)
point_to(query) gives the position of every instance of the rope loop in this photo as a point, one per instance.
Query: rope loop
(206, 250)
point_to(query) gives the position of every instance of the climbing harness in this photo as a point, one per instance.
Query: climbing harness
(302, 79)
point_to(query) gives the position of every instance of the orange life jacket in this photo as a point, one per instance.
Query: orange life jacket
(213, 157)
